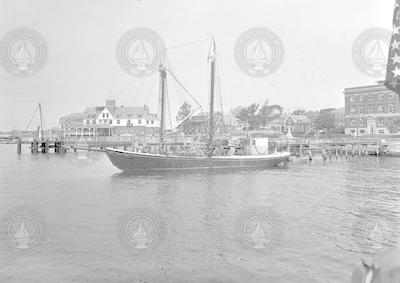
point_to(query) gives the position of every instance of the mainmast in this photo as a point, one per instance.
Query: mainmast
(41, 119)
(212, 59)
(163, 86)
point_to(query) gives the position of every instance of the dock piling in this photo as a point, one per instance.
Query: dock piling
(19, 146)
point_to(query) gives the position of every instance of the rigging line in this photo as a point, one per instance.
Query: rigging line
(34, 113)
(140, 89)
(181, 85)
(126, 88)
(151, 89)
(181, 97)
(169, 111)
(186, 44)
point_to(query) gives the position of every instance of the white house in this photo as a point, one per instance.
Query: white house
(110, 120)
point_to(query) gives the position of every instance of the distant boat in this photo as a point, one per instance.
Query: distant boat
(137, 161)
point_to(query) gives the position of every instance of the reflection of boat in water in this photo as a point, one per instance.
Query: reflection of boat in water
(133, 161)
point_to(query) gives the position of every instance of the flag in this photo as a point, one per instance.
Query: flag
(392, 81)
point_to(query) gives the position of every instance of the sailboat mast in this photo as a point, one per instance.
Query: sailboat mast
(212, 59)
(41, 120)
(163, 85)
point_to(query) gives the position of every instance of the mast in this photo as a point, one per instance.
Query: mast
(163, 86)
(41, 120)
(212, 59)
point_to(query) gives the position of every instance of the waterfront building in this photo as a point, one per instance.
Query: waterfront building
(370, 109)
(110, 120)
(293, 124)
(339, 120)
(198, 124)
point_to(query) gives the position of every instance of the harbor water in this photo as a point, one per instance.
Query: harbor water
(84, 221)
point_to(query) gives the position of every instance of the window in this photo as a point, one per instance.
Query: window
(147, 122)
(381, 131)
(139, 121)
(353, 122)
(362, 131)
(371, 109)
(390, 96)
(118, 122)
(104, 115)
(362, 122)
(352, 111)
(380, 108)
(381, 96)
(107, 115)
(381, 122)
(94, 122)
(370, 97)
(352, 98)
(152, 122)
(362, 109)
(391, 108)
(87, 122)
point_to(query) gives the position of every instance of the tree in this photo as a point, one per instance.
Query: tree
(325, 119)
(184, 111)
(299, 112)
(394, 125)
(268, 113)
(247, 114)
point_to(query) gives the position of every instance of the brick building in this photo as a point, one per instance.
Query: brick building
(370, 109)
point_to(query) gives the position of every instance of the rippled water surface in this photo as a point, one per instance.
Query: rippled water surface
(84, 207)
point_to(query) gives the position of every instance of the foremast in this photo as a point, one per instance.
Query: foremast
(211, 124)
(163, 88)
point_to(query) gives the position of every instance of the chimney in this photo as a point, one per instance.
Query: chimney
(110, 104)
(146, 108)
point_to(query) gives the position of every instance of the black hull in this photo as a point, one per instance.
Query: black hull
(132, 161)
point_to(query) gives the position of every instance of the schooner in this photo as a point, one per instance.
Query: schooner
(139, 161)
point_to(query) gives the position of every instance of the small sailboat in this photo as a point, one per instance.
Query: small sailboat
(139, 161)
(258, 236)
(22, 57)
(22, 237)
(140, 56)
(376, 57)
(258, 56)
(140, 236)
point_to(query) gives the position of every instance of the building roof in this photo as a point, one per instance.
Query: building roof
(118, 112)
(296, 118)
(379, 86)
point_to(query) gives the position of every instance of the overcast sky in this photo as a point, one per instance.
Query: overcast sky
(82, 35)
